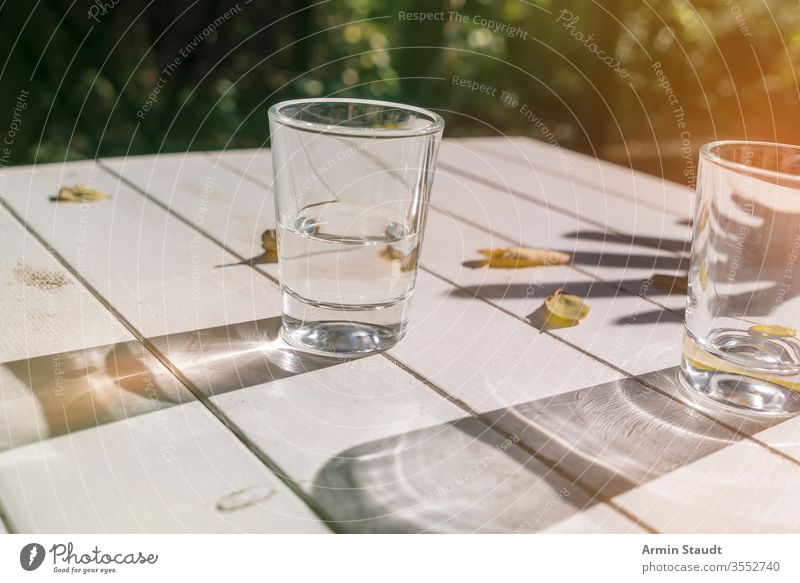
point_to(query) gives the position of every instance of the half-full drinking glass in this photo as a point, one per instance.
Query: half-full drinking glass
(740, 344)
(352, 183)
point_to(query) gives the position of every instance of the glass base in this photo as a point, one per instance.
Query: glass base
(736, 388)
(335, 331)
(339, 338)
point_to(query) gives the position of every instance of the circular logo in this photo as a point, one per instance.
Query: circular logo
(31, 556)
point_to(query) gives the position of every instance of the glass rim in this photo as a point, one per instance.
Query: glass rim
(436, 121)
(707, 154)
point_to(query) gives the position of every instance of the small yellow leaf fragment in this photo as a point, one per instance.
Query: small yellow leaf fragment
(701, 224)
(79, 193)
(670, 283)
(406, 262)
(774, 330)
(269, 242)
(704, 275)
(566, 307)
(514, 257)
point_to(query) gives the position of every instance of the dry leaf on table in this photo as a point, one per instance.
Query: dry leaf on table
(566, 308)
(774, 330)
(405, 262)
(79, 193)
(559, 310)
(269, 242)
(670, 283)
(516, 257)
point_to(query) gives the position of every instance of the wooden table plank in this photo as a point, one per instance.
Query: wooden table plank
(174, 470)
(164, 470)
(622, 439)
(669, 341)
(162, 178)
(45, 312)
(616, 181)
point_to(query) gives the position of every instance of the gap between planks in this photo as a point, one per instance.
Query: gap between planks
(490, 425)
(518, 195)
(526, 162)
(174, 370)
(600, 360)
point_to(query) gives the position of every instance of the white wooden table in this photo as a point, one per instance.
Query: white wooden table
(143, 387)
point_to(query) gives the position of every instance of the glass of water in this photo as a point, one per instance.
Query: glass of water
(740, 344)
(352, 183)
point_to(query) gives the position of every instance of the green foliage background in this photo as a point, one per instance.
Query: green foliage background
(88, 78)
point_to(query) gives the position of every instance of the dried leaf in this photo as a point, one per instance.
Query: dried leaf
(566, 307)
(269, 242)
(701, 224)
(670, 283)
(775, 330)
(79, 193)
(515, 257)
(704, 275)
(406, 262)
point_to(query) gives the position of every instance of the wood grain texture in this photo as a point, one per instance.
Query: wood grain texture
(44, 311)
(368, 440)
(164, 182)
(133, 440)
(641, 342)
(173, 470)
(616, 181)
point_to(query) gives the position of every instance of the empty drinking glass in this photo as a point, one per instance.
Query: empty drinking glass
(352, 183)
(740, 343)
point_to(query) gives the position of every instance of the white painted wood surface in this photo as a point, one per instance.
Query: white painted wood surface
(477, 421)
(97, 435)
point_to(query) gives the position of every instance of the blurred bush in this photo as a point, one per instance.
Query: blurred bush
(117, 77)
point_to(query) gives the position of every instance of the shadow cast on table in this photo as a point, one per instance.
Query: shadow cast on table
(629, 260)
(89, 387)
(665, 243)
(464, 477)
(584, 289)
(651, 317)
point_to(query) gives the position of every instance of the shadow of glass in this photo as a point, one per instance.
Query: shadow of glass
(661, 243)
(60, 393)
(52, 395)
(651, 317)
(612, 437)
(630, 260)
(232, 357)
(456, 477)
(584, 289)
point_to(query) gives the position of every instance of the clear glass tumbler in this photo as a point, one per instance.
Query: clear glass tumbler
(743, 303)
(352, 183)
